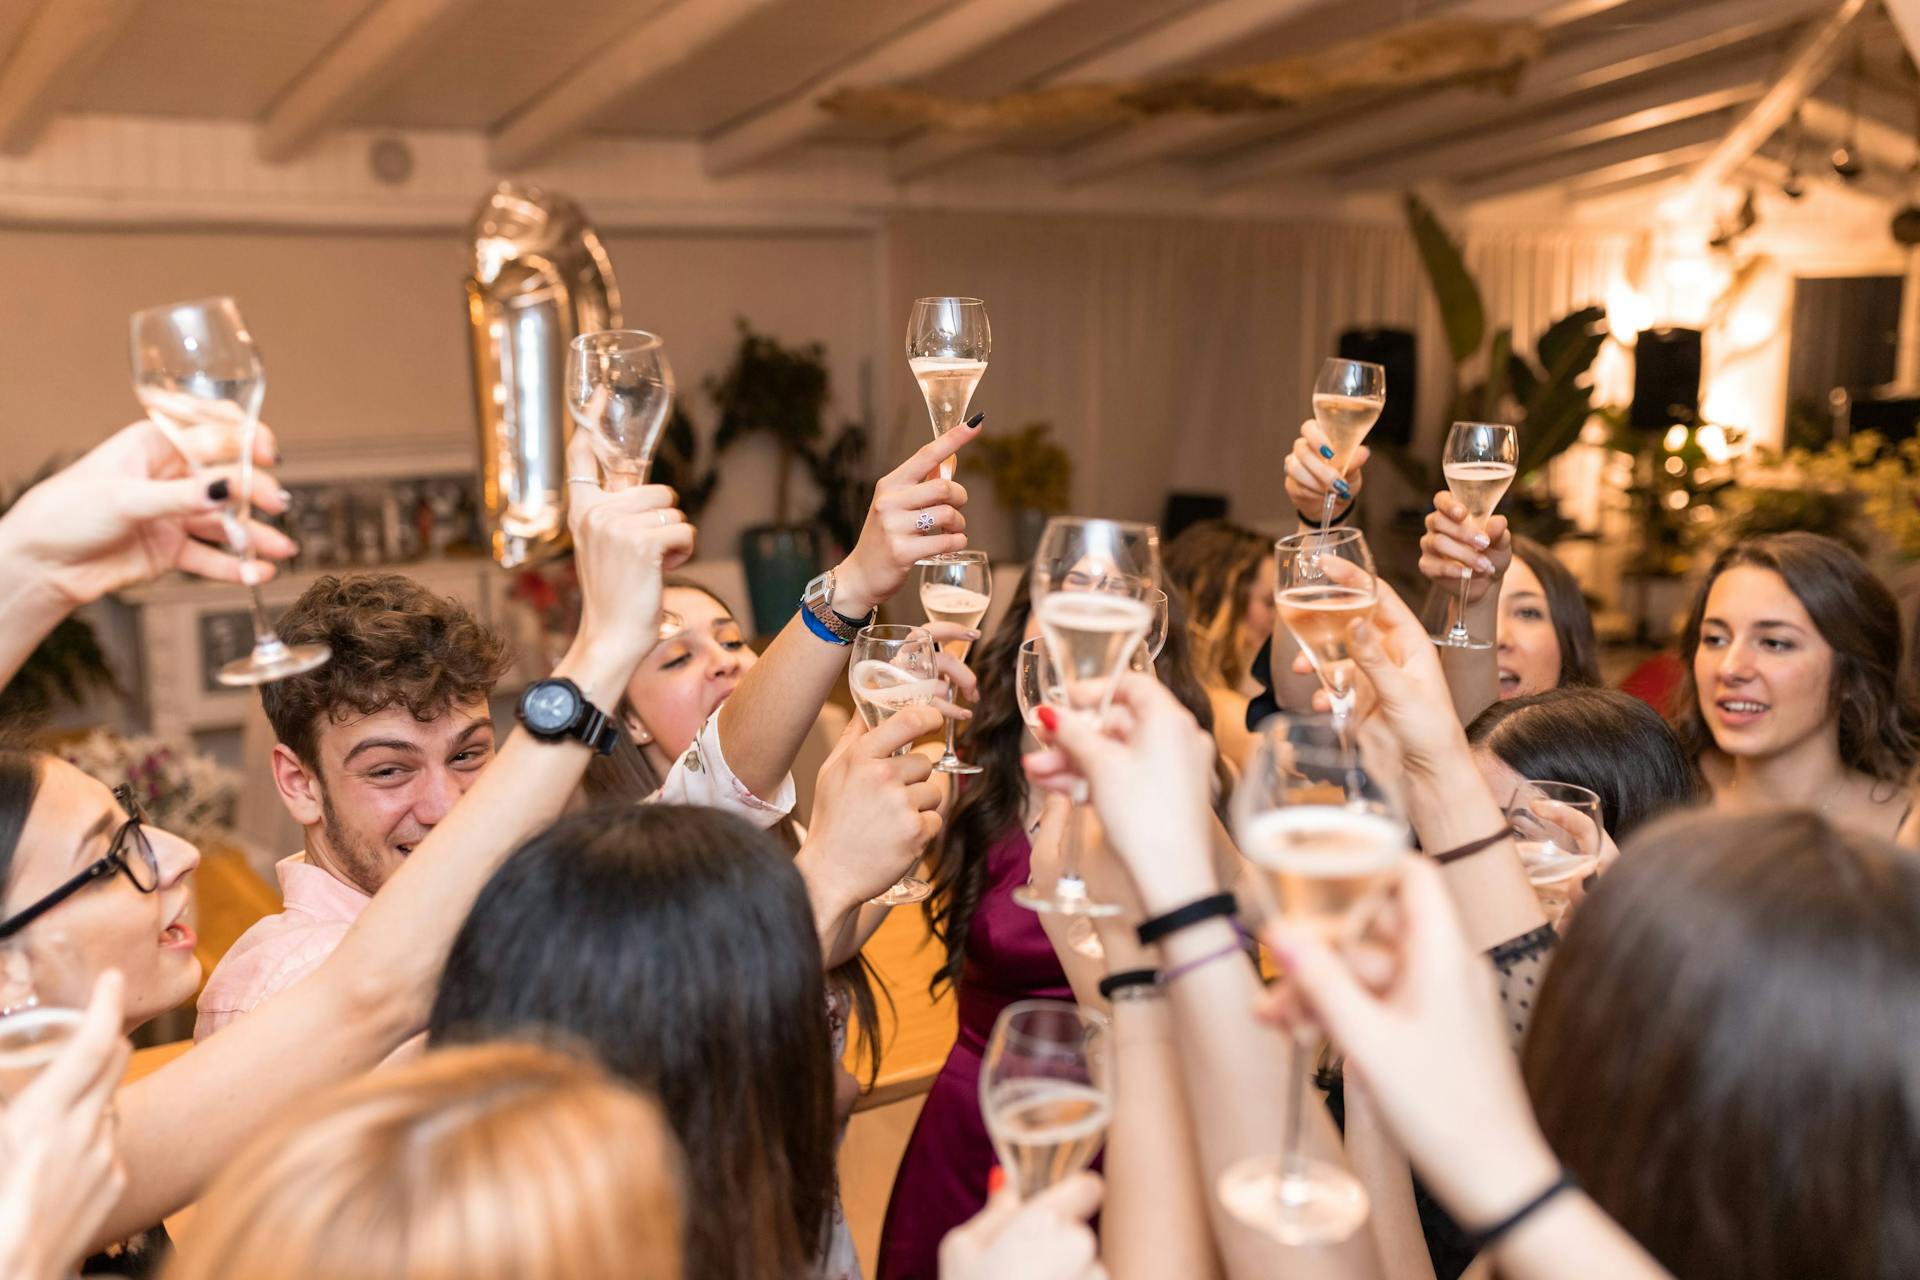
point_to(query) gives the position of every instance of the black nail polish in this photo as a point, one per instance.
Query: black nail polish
(976, 419)
(219, 490)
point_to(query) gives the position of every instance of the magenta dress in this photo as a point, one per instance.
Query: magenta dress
(943, 1175)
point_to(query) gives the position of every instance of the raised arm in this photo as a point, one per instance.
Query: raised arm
(181, 1124)
(765, 721)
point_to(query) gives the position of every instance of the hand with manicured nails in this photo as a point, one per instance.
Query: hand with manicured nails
(874, 813)
(1045, 1238)
(1429, 1047)
(1311, 475)
(59, 1171)
(625, 542)
(1453, 545)
(129, 511)
(891, 541)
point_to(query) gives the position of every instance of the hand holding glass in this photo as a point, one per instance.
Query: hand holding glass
(948, 342)
(620, 391)
(1347, 399)
(1479, 465)
(892, 668)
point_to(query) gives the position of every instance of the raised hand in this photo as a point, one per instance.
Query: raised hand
(874, 812)
(915, 514)
(129, 511)
(1311, 476)
(1453, 548)
(1045, 1238)
(61, 1172)
(625, 543)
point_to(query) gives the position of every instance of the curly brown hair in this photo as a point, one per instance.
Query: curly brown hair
(1213, 564)
(394, 643)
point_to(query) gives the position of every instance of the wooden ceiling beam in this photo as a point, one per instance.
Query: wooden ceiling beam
(1598, 163)
(1692, 32)
(56, 50)
(650, 50)
(953, 34)
(369, 58)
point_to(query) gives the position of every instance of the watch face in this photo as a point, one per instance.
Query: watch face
(550, 707)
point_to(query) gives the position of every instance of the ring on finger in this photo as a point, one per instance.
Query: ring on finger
(924, 522)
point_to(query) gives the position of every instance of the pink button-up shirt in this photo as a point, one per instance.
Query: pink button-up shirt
(278, 951)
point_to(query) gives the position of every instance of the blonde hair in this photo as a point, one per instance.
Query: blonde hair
(498, 1162)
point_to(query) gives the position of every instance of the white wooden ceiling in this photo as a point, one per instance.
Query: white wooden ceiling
(1626, 93)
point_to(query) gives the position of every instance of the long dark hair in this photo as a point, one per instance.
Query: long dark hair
(1723, 1049)
(993, 800)
(625, 776)
(20, 774)
(1875, 710)
(677, 943)
(1609, 742)
(1567, 610)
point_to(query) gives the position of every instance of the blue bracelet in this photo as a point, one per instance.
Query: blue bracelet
(819, 628)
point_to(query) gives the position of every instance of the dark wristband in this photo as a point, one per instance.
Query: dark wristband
(1473, 847)
(1339, 517)
(1482, 1240)
(1128, 978)
(1220, 904)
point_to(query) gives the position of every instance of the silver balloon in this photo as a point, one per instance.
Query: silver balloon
(540, 277)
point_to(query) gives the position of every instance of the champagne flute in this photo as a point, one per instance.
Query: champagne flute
(1347, 399)
(198, 375)
(1044, 1091)
(1034, 681)
(620, 391)
(1557, 828)
(1088, 583)
(1324, 583)
(957, 588)
(1149, 651)
(1479, 465)
(1326, 840)
(31, 1033)
(892, 668)
(948, 342)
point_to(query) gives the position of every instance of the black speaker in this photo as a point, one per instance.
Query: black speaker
(1185, 509)
(1393, 349)
(1666, 379)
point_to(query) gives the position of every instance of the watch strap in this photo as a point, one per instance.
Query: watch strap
(596, 728)
(826, 631)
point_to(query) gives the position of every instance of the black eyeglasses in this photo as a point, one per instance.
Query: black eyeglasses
(130, 852)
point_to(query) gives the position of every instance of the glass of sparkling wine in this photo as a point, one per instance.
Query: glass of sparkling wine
(1347, 399)
(1035, 682)
(1088, 586)
(1324, 582)
(892, 668)
(948, 342)
(1326, 839)
(31, 1033)
(1149, 651)
(199, 377)
(1479, 466)
(1044, 1091)
(957, 588)
(620, 391)
(1558, 828)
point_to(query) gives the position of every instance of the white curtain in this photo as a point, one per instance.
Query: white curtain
(1177, 354)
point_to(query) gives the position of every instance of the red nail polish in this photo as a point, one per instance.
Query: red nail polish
(996, 1179)
(1049, 718)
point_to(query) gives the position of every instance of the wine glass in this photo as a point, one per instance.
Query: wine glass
(198, 376)
(1088, 586)
(1044, 1091)
(32, 1033)
(620, 391)
(892, 668)
(1479, 465)
(1324, 582)
(957, 588)
(1557, 830)
(1347, 399)
(948, 342)
(1326, 839)
(1149, 651)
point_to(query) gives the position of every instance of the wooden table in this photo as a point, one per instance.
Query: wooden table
(918, 1033)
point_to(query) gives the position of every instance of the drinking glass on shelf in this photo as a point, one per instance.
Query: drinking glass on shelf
(957, 588)
(1149, 651)
(1324, 582)
(892, 668)
(199, 377)
(620, 391)
(1088, 585)
(1347, 399)
(1558, 828)
(948, 342)
(1319, 818)
(1479, 465)
(1044, 1091)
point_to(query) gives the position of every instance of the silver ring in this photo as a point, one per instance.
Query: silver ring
(592, 480)
(663, 518)
(924, 522)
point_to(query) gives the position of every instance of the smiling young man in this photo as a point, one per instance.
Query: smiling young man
(374, 748)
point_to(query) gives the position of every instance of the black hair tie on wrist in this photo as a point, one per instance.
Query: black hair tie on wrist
(1128, 978)
(1219, 904)
(1482, 1240)
(1472, 847)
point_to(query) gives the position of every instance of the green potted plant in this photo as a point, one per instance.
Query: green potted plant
(1031, 475)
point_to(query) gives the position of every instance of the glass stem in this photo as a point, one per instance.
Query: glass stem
(951, 726)
(1460, 619)
(1070, 849)
(1296, 1092)
(1326, 512)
